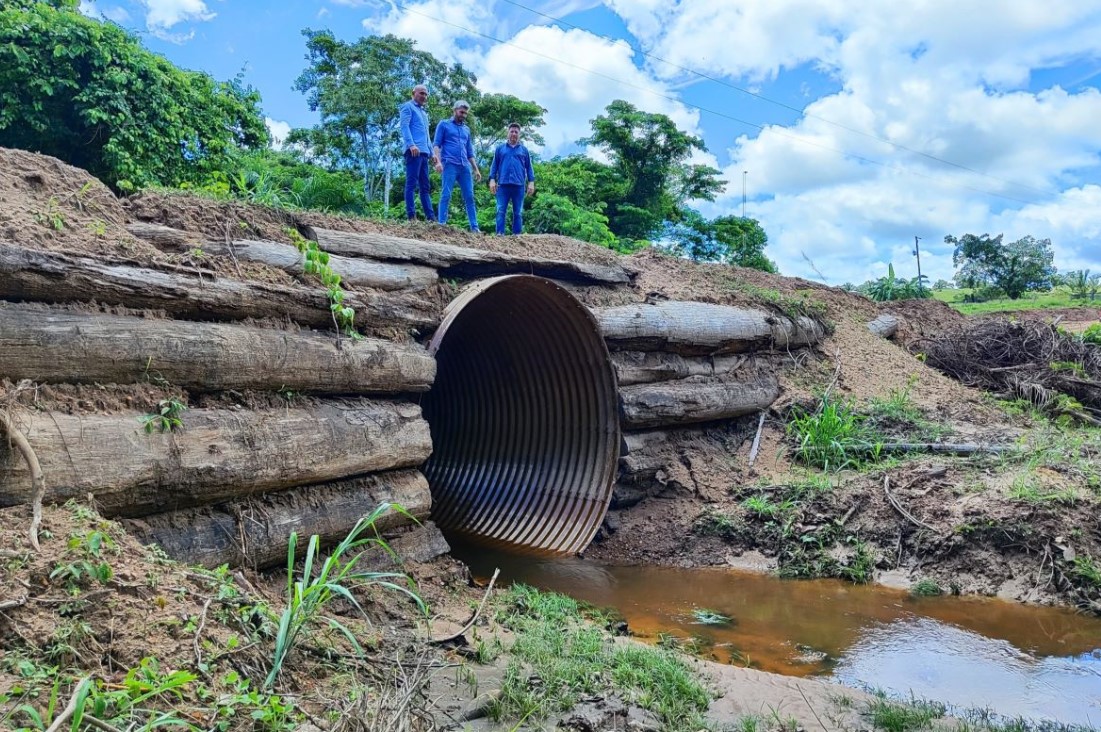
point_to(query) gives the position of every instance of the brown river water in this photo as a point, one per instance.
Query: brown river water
(1012, 659)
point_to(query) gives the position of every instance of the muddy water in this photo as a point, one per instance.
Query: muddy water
(968, 652)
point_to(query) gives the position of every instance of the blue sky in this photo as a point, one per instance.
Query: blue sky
(871, 125)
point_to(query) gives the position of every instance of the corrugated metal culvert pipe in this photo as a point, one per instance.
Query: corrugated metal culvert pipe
(524, 418)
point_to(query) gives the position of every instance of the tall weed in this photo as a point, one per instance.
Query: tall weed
(336, 577)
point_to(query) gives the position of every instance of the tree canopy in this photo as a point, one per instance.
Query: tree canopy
(649, 155)
(727, 239)
(87, 92)
(1014, 268)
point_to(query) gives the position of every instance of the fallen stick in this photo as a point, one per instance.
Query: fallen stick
(9, 604)
(949, 448)
(757, 440)
(70, 708)
(38, 482)
(898, 506)
(474, 617)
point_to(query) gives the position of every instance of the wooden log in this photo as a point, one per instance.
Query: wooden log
(53, 277)
(353, 271)
(884, 326)
(693, 400)
(54, 345)
(463, 262)
(696, 328)
(217, 454)
(639, 367)
(255, 531)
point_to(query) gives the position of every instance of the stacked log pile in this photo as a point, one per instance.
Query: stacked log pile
(229, 484)
(684, 364)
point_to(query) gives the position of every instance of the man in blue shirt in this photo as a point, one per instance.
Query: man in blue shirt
(454, 153)
(414, 140)
(509, 176)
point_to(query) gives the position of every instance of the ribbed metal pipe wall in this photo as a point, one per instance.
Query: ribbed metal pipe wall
(524, 418)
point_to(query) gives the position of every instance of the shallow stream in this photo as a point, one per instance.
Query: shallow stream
(1016, 660)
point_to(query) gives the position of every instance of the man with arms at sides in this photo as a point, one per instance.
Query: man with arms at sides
(454, 157)
(509, 177)
(414, 140)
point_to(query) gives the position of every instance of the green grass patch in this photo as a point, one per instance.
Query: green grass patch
(572, 659)
(792, 306)
(1029, 301)
(904, 717)
(926, 588)
(833, 437)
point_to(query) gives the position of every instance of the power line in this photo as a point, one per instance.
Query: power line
(774, 130)
(769, 100)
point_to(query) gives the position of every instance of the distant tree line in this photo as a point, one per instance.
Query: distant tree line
(86, 91)
(990, 268)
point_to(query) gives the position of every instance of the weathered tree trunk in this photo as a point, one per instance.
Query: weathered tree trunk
(49, 344)
(696, 328)
(693, 400)
(216, 454)
(357, 272)
(256, 530)
(884, 326)
(463, 262)
(637, 367)
(27, 274)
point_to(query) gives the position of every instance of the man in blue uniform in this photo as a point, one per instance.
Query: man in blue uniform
(509, 177)
(414, 139)
(454, 152)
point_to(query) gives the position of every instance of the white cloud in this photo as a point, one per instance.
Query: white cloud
(162, 15)
(279, 131)
(570, 93)
(923, 81)
(437, 26)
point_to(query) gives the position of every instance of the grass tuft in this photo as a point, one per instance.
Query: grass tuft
(559, 658)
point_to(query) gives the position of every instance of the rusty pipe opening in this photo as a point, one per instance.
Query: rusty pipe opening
(524, 418)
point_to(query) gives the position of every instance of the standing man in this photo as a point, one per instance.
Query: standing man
(454, 157)
(509, 176)
(414, 140)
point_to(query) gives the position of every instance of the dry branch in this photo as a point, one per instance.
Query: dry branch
(696, 328)
(757, 439)
(38, 481)
(1027, 359)
(62, 346)
(216, 455)
(473, 618)
(898, 506)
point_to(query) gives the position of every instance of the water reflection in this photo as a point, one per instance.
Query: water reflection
(1017, 660)
(930, 659)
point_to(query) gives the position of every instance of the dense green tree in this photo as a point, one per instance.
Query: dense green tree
(88, 93)
(493, 113)
(357, 88)
(650, 156)
(1014, 268)
(729, 239)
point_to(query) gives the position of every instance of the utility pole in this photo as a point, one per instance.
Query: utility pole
(744, 174)
(917, 253)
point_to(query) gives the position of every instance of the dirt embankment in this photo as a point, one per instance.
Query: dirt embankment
(996, 521)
